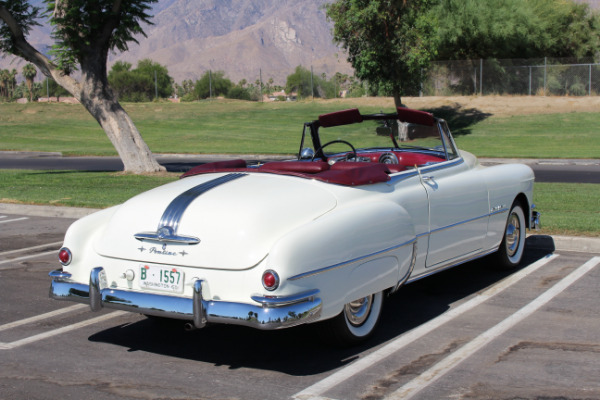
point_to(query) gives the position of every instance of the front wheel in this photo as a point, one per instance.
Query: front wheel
(357, 322)
(513, 243)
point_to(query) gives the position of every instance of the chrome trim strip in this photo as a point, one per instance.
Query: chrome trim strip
(442, 165)
(169, 222)
(59, 274)
(166, 236)
(282, 312)
(280, 301)
(468, 220)
(501, 211)
(344, 263)
(400, 176)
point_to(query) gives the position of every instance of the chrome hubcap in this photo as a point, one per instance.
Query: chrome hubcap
(358, 311)
(513, 235)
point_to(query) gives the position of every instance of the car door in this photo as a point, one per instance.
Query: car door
(458, 212)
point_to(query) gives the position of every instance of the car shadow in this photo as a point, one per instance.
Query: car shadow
(302, 351)
(459, 119)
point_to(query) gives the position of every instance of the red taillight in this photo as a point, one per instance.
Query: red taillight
(270, 280)
(64, 256)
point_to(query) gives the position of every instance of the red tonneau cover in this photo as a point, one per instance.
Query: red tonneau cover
(351, 174)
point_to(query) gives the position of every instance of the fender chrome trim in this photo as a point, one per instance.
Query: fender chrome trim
(345, 263)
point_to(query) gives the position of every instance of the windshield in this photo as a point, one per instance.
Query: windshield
(380, 134)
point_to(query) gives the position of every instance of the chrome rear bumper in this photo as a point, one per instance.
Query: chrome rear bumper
(270, 312)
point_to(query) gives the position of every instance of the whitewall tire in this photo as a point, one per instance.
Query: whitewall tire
(357, 322)
(511, 249)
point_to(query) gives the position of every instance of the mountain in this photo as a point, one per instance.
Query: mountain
(240, 37)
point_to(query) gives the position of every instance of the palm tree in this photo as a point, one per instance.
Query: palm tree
(29, 72)
(4, 76)
(13, 82)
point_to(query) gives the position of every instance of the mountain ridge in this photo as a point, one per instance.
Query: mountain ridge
(243, 38)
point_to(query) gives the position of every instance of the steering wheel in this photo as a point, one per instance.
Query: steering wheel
(320, 150)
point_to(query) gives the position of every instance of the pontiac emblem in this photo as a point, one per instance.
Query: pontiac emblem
(164, 232)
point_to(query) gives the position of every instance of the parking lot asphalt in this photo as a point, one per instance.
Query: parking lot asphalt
(472, 332)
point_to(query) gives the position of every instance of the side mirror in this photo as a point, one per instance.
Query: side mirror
(307, 153)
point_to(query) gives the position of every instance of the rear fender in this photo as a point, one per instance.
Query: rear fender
(348, 253)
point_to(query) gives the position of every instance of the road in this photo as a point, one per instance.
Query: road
(472, 332)
(570, 171)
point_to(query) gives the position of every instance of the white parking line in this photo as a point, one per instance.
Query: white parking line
(425, 379)
(41, 246)
(55, 332)
(315, 391)
(42, 317)
(13, 220)
(11, 260)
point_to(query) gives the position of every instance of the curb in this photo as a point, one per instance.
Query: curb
(545, 242)
(540, 161)
(46, 211)
(564, 243)
(19, 153)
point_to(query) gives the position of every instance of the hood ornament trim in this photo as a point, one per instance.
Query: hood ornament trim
(169, 222)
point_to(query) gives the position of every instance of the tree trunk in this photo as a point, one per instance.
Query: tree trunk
(100, 101)
(397, 98)
(120, 129)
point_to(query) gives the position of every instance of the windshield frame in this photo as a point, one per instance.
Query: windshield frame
(448, 149)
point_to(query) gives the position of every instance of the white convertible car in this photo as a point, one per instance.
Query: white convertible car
(325, 237)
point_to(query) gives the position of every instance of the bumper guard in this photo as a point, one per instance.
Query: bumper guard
(271, 312)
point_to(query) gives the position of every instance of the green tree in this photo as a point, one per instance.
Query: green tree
(185, 89)
(53, 89)
(390, 43)
(29, 73)
(162, 83)
(84, 32)
(473, 29)
(142, 83)
(300, 81)
(12, 83)
(212, 83)
(238, 92)
(4, 78)
(574, 27)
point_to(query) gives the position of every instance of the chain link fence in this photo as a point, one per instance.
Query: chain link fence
(544, 76)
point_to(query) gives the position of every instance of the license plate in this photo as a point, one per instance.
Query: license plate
(167, 279)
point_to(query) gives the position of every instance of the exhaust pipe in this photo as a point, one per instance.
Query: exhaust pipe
(189, 326)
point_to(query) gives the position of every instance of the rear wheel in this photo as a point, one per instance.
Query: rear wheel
(357, 322)
(513, 243)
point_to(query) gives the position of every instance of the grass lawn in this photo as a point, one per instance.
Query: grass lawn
(230, 126)
(75, 188)
(567, 209)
